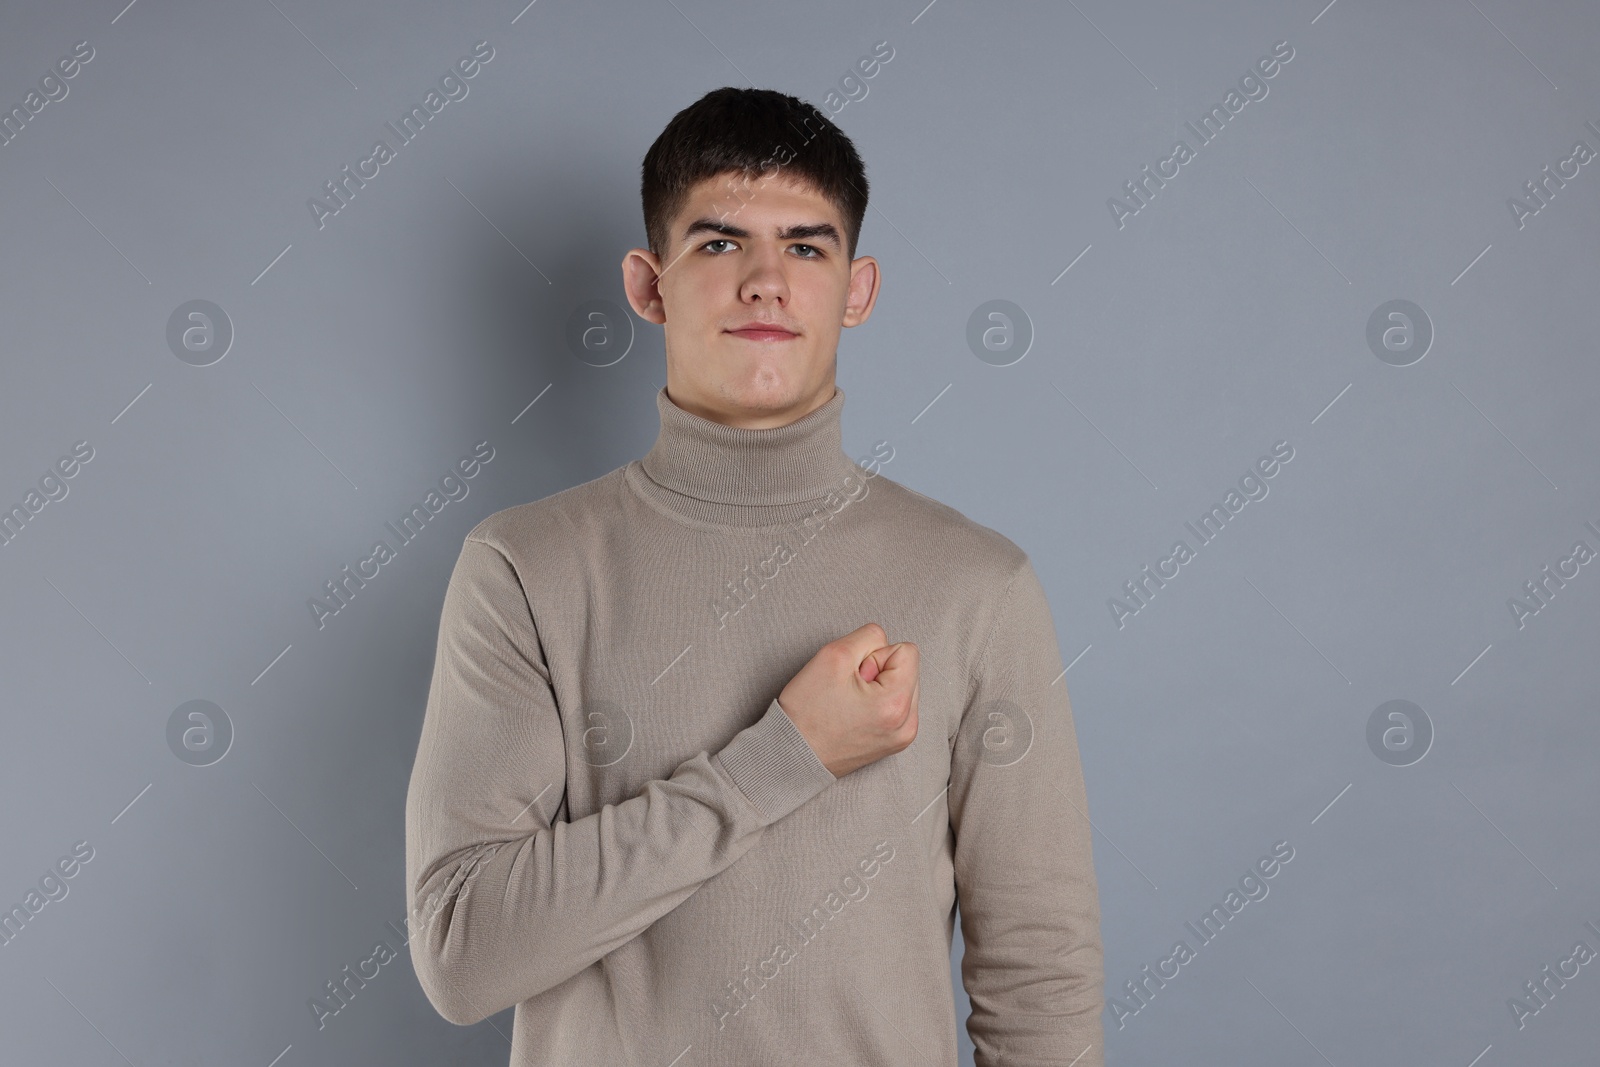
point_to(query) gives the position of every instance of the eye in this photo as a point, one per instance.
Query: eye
(718, 241)
(813, 248)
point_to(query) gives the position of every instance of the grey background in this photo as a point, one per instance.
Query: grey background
(1230, 313)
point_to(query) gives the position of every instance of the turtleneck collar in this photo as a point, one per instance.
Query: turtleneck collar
(731, 476)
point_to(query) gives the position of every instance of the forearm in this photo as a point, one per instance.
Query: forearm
(504, 921)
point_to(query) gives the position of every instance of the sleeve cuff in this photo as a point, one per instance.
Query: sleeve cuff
(773, 765)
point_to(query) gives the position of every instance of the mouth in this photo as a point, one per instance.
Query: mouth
(763, 333)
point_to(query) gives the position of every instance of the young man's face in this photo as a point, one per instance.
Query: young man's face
(770, 251)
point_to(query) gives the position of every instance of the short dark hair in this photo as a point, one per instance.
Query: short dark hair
(750, 131)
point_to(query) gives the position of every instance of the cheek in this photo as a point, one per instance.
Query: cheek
(686, 298)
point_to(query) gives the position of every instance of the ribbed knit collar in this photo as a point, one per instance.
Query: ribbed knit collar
(732, 476)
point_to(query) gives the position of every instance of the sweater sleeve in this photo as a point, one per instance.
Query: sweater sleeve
(507, 902)
(1024, 868)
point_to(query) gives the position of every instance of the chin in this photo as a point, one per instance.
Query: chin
(765, 388)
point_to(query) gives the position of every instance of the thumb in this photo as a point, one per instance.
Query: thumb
(861, 643)
(881, 661)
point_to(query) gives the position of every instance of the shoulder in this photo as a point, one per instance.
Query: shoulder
(533, 529)
(971, 570)
(935, 528)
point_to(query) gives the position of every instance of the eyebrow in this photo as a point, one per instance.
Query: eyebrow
(824, 231)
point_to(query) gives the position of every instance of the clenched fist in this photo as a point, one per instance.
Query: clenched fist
(855, 702)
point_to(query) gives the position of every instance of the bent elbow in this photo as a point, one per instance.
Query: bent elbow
(449, 976)
(453, 998)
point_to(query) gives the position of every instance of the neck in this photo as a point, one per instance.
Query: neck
(740, 476)
(766, 419)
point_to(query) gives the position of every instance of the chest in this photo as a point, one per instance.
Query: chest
(680, 640)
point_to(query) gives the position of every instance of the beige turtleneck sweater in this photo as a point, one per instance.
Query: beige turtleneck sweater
(614, 826)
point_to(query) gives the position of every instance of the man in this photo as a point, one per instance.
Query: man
(660, 804)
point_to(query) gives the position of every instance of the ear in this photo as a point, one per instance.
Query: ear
(862, 292)
(641, 280)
